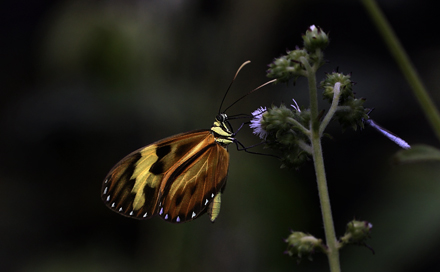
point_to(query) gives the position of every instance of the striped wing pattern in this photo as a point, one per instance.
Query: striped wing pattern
(178, 178)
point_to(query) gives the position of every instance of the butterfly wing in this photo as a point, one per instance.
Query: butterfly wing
(192, 184)
(176, 178)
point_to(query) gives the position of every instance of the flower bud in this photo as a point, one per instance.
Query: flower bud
(315, 39)
(330, 81)
(281, 131)
(275, 119)
(352, 113)
(357, 232)
(287, 67)
(300, 244)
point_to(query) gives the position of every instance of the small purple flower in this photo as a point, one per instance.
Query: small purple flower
(256, 123)
(296, 107)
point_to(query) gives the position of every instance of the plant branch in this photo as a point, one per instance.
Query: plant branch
(333, 108)
(298, 125)
(315, 138)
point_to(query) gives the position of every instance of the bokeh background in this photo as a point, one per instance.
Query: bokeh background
(83, 83)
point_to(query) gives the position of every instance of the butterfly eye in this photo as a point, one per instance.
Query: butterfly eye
(222, 117)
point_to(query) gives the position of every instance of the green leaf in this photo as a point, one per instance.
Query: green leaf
(417, 153)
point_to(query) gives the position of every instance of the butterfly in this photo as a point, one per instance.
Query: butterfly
(178, 178)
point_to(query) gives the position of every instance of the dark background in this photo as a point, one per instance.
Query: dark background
(83, 83)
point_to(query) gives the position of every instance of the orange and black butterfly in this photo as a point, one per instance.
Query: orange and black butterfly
(178, 178)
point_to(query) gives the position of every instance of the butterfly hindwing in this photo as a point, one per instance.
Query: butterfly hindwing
(176, 178)
(192, 185)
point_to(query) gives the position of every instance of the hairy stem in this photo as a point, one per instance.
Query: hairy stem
(333, 108)
(315, 138)
(298, 125)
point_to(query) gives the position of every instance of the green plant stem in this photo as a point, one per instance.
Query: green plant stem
(304, 146)
(405, 64)
(298, 125)
(315, 138)
(330, 236)
(331, 111)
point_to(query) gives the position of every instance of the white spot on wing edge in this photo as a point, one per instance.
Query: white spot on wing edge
(161, 211)
(106, 181)
(166, 217)
(145, 214)
(212, 195)
(105, 190)
(108, 198)
(178, 219)
(206, 201)
(193, 215)
(131, 213)
(113, 204)
(120, 209)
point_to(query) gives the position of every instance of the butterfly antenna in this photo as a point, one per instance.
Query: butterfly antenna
(224, 97)
(259, 87)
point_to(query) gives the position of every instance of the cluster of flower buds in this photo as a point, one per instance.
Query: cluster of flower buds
(357, 232)
(291, 130)
(287, 129)
(291, 65)
(280, 127)
(300, 244)
(351, 111)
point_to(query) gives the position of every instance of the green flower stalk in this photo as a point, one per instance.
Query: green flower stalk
(295, 132)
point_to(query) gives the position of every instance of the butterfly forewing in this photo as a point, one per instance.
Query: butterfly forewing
(176, 178)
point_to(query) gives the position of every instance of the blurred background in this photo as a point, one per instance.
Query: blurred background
(84, 83)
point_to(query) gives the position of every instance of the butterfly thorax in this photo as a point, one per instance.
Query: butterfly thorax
(221, 131)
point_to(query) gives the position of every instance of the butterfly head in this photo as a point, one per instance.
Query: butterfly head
(222, 117)
(221, 131)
